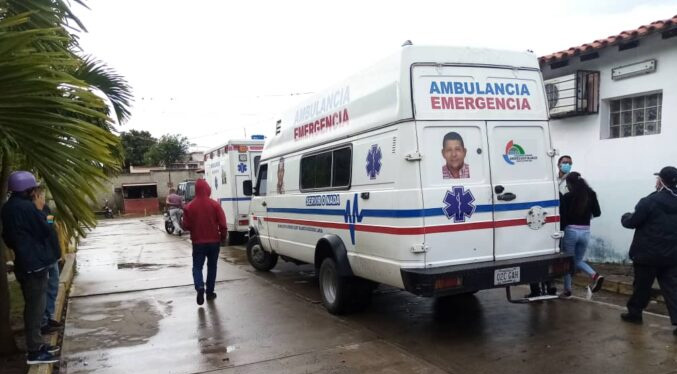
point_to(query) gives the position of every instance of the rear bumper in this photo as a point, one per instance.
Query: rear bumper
(480, 276)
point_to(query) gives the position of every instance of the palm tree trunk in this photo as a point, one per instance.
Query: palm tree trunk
(7, 344)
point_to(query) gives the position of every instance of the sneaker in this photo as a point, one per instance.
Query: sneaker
(597, 281)
(51, 349)
(211, 296)
(631, 318)
(565, 295)
(41, 357)
(200, 296)
(54, 323)
(552, 291)
(47, 329)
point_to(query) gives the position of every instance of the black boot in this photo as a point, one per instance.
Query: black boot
(632, 318)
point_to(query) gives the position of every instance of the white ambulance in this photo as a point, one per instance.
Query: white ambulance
(431, 171)
(226, 168)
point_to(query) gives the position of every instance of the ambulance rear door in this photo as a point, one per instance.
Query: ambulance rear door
(525, 197)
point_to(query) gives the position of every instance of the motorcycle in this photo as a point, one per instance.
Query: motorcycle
(107, 211)
(169, 225)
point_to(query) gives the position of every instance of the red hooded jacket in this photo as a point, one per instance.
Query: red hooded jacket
(203, 217)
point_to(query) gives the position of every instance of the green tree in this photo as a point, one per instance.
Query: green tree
(168, 150)
(55, 123)
(136, 144)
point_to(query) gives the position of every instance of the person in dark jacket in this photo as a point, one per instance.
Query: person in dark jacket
(654, 246)
(26, 231)
(205, 220)
(577, 208)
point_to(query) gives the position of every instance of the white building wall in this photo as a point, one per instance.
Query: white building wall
(620, 170)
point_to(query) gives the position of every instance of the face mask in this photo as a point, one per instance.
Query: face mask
(565, 167)
(660, 186)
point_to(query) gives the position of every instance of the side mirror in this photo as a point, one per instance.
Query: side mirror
(247, 187)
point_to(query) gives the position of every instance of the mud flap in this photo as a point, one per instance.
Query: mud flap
(526, 300)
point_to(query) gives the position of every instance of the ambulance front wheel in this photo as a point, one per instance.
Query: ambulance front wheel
(258, 257)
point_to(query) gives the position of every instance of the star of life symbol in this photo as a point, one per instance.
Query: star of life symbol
(458, 204)
(241, 167)
(374, 157)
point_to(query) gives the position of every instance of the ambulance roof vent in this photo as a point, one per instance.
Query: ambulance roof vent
(406, 43)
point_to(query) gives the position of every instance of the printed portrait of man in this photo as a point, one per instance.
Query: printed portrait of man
(453, 152)
(280, 176)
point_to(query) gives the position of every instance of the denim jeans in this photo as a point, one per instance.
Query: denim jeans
(210, 252)
(52, 291)
(34, 288)
(575, 242)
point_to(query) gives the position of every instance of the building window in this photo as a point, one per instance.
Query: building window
(635, 116)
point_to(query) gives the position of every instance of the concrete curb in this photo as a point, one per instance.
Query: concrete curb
(65, 281)
(615, 286)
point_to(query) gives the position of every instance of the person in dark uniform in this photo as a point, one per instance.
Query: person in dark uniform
(654, 246)
(26, 231)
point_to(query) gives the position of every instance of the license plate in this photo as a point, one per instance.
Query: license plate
(506, 276)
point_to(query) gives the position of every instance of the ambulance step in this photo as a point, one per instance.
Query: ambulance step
(526, 300)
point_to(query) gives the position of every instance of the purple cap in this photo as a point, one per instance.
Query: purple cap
(20, 181)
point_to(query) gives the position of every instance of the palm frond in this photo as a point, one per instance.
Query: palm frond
(50, 118)
(110, 83)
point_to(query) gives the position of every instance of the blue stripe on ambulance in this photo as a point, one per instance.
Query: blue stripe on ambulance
(414, 213)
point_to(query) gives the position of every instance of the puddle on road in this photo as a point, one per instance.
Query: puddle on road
(234, 255)
(143, 266)
(115, 324)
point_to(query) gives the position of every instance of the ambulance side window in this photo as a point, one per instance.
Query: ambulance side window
(326, 170)
(341, 167)
(262, 182)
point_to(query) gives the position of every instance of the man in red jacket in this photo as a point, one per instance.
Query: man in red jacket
(205, 220)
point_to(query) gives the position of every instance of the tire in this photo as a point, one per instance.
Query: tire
(258, 257)
(235, 238)
(341, 295)
(169, 227)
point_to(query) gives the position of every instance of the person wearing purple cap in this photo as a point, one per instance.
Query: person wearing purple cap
(26, 231)
(654, 246)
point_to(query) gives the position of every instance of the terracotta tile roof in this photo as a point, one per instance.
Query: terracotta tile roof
(624, 36)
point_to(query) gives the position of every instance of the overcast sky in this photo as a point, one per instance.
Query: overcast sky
(215, 70)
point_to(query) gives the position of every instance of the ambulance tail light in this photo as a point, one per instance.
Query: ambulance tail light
(244, 222)
(562, 266)
(448, 282)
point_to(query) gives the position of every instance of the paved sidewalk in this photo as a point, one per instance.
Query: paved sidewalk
(133, 310)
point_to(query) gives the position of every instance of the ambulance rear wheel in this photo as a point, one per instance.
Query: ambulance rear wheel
(258, 257)
(334, 288)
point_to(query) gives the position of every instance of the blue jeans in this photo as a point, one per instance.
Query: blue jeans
(575, 242)
(209, 251)
(52, 291)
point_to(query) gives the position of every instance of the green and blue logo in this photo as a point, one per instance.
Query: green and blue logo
(515, 153)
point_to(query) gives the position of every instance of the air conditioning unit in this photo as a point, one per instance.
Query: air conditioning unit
(574, 94)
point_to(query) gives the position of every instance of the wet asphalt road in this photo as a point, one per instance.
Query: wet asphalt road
(132, 309)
